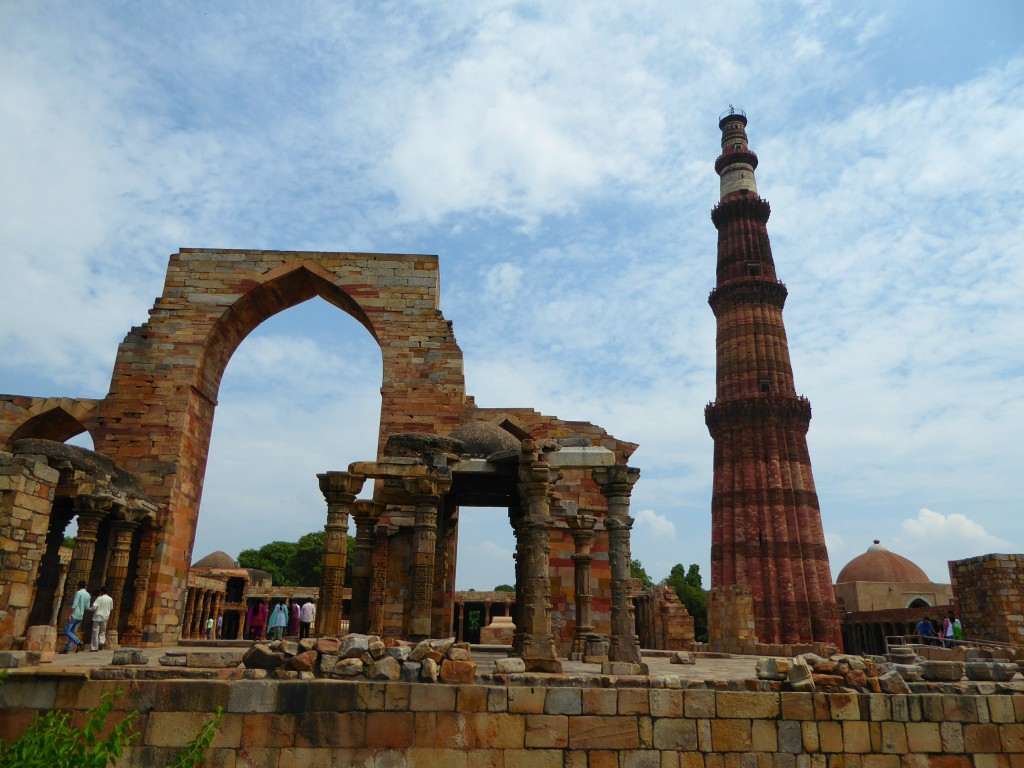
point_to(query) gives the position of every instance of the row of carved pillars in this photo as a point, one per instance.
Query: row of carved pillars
(200, 605)
(124, 534)
(485, 619)
(533, 641)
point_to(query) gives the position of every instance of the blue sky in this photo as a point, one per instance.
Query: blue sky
(559, 160)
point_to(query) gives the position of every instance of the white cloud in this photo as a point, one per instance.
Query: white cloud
(658, 525)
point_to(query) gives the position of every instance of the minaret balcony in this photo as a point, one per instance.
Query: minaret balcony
(734, 157)
(748, 290)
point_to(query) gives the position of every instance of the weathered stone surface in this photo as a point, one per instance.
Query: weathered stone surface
(376, 648)
(308, 644)
(428, 670)
(509, 666)
(329, 645)
(459, 654)
(799, 676)
(347, 668)
(398, 653)
(124, 656)
(354, 646)
(911, 673)
(327, 662)
(214, 659)
(442, 645)
(303, 662)
(682, 657)
(384, 668)
(411, 671)
(772, 668)
(942, 671)
(457, 671)
(997, 671)
(420, 651)
(14, 659)
(259, 656)
(892, 682)
(173, 660)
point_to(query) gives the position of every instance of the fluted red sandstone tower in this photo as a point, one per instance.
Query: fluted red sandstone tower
(766, 524)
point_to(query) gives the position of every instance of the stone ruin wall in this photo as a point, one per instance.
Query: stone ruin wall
(663, 621)
(989, 594)
(731, 625)
(27, 490)
(157, 418)
(320, 722)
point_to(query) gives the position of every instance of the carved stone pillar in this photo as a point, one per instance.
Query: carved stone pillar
(617, 484)
(462, 620)
(582, 529)
(426, 492)
(117, 569)
(207, 608)
(379, 579)
(91, 510)
(366, 513)
(339, 489)
(143, 568)
(186, 615)
(533, 547)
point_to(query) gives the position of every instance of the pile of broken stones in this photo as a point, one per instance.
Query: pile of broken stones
(901, 671)
(363, 656)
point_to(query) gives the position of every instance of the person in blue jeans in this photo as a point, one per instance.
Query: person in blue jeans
(78, 608)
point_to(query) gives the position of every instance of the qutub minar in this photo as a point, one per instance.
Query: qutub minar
(766, 523)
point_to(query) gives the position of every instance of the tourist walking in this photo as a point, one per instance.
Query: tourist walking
(209, 627)
(278, 621)
(101, 609)
(306, 616)
(78, 608)
(258, 619)
(293, 619)
(220, 626)
(952, 630)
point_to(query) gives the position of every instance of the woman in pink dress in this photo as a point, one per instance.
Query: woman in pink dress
(293, 620)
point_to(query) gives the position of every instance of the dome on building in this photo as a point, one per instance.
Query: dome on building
(880, 565)
(216, 559)
(485, 439)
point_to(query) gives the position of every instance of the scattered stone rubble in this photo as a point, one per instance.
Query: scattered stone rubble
(367, 656)
(901, 671)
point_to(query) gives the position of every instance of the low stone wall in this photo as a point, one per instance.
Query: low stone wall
(283, 724)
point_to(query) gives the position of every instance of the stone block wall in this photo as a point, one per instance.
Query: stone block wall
(731, 626)
(989, 594)
(285, 724)
(26, 493)
(662, 621)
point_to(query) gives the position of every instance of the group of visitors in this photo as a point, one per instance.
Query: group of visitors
(950, 635)
(101, 609)
(293, 620)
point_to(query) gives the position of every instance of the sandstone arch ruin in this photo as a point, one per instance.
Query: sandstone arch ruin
(156, 422)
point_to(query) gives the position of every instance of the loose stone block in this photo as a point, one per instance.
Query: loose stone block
(456, 671)
(509, 666)
(942, 671)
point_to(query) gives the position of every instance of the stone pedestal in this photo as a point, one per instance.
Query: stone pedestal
(43, 640)
(500, 631)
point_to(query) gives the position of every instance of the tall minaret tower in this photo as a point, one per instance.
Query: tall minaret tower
(766, 524)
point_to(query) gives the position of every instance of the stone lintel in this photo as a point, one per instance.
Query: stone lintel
(589, 456)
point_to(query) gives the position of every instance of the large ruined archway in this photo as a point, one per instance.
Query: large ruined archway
(158, 417)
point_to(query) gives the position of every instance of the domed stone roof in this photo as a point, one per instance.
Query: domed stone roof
(484, 439)
(216, 559)
(881, 565)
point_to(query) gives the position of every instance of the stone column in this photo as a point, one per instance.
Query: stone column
(117, 569)
(186, 615)
(616, 484)
(339, 489)
(379, 580)
(365, 513)
(143, 568)
(462, 620)
(91, 510)
(582, 529)
(207, 610)
(218, 600)
(426, 492)
(533, 545)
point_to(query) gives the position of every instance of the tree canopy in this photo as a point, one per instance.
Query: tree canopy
(636, 569)
(294, 564)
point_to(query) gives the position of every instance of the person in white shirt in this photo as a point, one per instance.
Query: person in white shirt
(101, 608)
(307, 613)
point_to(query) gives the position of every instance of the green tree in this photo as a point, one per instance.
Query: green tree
(295, 564)
(637, 571)
(504, 588)
(688, 586)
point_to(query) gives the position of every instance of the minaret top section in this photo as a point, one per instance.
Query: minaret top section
(735, 166)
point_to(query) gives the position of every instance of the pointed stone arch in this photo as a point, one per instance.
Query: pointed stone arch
(54, 418)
